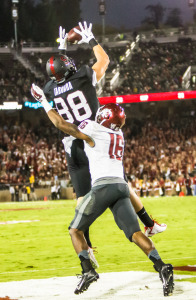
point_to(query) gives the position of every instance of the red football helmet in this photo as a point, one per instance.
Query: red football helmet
(111, 116)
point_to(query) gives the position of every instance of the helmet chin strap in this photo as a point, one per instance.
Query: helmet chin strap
(62, 80)
(102, 122)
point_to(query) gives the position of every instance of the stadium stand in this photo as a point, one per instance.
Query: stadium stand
(160, 155)
(155, 67)
(157, 148)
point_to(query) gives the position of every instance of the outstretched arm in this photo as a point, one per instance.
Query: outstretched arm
(102, 58)
(56, 119)
(102, 62)
(67, 127)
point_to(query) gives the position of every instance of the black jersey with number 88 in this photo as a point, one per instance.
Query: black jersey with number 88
(75, 99)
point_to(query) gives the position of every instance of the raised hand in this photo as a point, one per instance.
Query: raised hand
(86, 32)
(62, 39)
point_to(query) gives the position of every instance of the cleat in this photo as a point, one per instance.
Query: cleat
(167, 278)
(93, 260)
(86, 279)
(156, 228)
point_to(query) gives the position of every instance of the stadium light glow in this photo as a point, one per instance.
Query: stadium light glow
(180, 95)
(140, 98)
(132, 98)
(12, 105)
(143, 97)
(119, 99)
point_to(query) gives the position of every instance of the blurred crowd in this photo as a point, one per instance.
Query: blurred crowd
(16, 80)
(155, 68)
(161, 158)
(160, 155)
(26, 150)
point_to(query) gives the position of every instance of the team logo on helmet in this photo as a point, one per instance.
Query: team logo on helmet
(114, 126)
(63, 58)
(106, 113)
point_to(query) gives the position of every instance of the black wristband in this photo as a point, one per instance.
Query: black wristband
(93, 43)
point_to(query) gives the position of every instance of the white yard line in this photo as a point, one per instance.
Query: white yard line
(117, 286)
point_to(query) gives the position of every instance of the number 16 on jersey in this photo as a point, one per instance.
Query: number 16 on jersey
(116, 148)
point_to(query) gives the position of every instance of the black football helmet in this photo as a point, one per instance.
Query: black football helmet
(111, 115)
(60, 67)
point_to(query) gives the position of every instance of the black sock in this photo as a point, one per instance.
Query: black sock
(86, 265)
(86, 235)
(144, 217)
(155, 258)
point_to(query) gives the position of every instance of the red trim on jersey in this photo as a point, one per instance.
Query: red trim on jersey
(111, 149)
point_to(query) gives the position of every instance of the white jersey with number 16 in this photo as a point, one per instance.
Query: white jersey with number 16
(105, 158)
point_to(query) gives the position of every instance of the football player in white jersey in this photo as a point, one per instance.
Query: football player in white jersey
(104, 146)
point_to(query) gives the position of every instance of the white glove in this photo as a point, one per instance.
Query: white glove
(37, 93)
(85, 32)
(62, 39)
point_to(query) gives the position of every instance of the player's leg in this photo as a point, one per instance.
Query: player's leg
(89, 274)
(151, 226)
(91, 250)
(78, 167)
(86, 213)
(126, 219)
(165, 270)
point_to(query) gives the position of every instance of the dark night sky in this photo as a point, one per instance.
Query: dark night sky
(130, 12)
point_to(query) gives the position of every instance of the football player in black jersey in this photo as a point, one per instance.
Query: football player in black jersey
(74, 94)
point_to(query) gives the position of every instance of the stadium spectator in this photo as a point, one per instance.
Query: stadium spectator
(194, 185)
(58, 190)
(162, 187)
(53, 191)
(12, 193)
(188, 184)
(28, 191)
(24, 193)
(32, 177)
(33, 195)
(17, 191)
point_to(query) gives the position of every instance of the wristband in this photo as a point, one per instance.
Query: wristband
(93, 42)
(46, 105)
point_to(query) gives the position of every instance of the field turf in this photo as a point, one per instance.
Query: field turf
(43, 249)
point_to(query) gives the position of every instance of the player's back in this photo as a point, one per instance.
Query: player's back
(105, 158)
(75, 99)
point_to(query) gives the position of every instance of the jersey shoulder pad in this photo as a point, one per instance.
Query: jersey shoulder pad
(48, 87)
(84, 71)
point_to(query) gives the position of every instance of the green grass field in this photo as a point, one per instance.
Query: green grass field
(43, 249)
